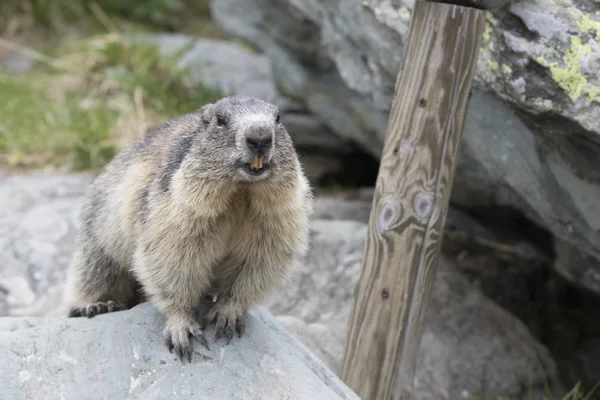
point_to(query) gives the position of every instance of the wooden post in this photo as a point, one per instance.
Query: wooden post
(411, 200)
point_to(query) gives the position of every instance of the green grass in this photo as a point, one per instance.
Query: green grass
(32, 18)
(92, 91)
(579, 394)
(89, 98)
(36, 131)
(576, 393)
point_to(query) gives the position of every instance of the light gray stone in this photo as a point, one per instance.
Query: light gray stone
(13, 62)
(224, 66)
(470, 346)
(333, 208)
(38, 227)
(122, 355)
(323, 342)
(532, 137)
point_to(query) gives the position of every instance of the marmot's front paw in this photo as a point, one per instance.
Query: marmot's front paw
(177, 334)
(229, 318)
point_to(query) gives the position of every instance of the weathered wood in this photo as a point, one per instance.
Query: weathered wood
(411, 200)
(481, 4)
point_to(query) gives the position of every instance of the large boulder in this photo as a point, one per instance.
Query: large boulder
(122, 355)
(532, 136)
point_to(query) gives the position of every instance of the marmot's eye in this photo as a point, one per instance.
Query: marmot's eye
(277, 118)
(221, 119)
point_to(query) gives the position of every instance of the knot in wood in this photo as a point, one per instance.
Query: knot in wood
(423, 205)
(385, 293)
(389, 212)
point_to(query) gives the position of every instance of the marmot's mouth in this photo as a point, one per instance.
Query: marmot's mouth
(257, 164)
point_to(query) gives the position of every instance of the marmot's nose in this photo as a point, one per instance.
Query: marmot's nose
(260, 141)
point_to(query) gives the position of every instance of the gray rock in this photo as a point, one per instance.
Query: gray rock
(322, 341)
(13, 62)
(122, 355)
(224, 66)
(38, 227)
(471, 346)
(532, 136)
(331, 207)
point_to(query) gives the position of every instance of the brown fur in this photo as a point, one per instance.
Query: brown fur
(171, 219)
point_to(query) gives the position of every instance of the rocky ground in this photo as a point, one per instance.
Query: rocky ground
(465, 330)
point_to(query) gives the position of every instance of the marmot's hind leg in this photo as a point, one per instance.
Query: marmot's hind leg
(97, 285)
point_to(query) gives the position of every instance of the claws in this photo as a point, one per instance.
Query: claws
(198, 334)
(228, 319)
(93, 309)
(229, 331)
(227, 323)
(169, 343)
(240, 325)
(220, 326)
(184, 351)
(75, 312)
(177, 334)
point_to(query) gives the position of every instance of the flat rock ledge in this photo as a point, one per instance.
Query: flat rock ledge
(122, 356)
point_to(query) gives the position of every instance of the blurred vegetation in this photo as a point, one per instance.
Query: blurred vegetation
(92, 90)
(57, 18)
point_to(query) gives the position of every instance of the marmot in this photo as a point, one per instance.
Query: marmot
(211, 203)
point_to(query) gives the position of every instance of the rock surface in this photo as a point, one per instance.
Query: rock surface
(464, 329)
(122, 355)
(531, 138)
(38, 226)
(13, 62)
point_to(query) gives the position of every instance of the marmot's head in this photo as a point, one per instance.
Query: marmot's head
(244, 138)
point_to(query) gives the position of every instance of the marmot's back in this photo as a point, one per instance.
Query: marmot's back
(118, 195)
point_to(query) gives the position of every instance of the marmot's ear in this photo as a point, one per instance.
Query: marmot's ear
(206, 113)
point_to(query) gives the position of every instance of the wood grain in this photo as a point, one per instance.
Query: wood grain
(481, 4)
(411, 200)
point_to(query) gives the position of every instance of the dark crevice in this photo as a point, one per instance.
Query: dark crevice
(513, 23)
(545, 86)
(359, 169)
(508, 221)
(557, 313)
(578, 147)
(587, 6)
